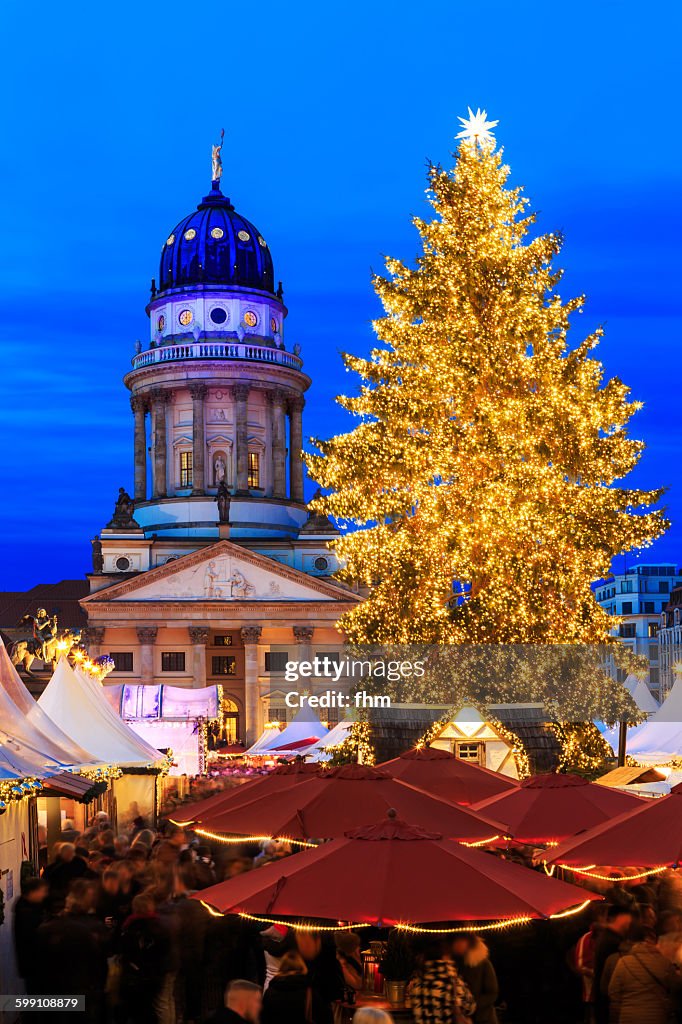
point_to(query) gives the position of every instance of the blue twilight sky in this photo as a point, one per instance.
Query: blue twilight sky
(330, 111)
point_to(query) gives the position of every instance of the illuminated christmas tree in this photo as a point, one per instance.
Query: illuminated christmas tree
(483, 474)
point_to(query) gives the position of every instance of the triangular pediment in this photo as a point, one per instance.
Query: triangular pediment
(222, 572)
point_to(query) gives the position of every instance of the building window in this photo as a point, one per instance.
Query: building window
(333, 656)
(626, 608)
(653, 629)
(275, 661)
(224, 665)
(628, 630)
(649, 607)
(123, 564)
(185, 469)
(223, 640)
(469, 751)
(172, 661)
(663, 587)
(254, 470)
(123, 661)
(654, 678)
(626, 587)
(321, 564)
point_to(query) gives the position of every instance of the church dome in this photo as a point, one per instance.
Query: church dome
(215, 245)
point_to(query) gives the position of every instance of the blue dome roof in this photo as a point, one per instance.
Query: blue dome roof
(215, 245)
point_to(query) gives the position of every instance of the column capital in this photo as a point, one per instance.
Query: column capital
(147, 634)
(296, 403)
(161, 396)
(93, 635)
(198, 634)
(138, 403)
(198, 390)
(303, 634)
(250, 634)
(240, 392)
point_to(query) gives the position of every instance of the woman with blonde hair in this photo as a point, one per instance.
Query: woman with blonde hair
(369, 1015)
(290, 998)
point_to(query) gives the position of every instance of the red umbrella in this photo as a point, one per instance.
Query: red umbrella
(282, 777)
(548, 808)
(647, 836)
(341, 798)
(443, 774)
(396, 874)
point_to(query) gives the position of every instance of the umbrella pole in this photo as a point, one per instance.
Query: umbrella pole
(622, 742)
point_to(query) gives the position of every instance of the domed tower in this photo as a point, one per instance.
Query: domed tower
(217, 397)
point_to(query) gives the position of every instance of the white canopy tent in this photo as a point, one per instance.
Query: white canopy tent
(659, 739)
(262, 742)
(336, 736)
(78, 705)
(28, 730)
(304, 726)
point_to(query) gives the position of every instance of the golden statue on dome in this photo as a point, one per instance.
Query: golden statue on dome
(217, 172)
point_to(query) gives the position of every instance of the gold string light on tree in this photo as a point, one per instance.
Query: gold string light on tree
(488, 450)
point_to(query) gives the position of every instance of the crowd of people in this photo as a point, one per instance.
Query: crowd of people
(110, 917)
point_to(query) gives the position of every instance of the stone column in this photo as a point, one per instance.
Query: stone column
(146, 636)
(250, 635)
(160, 400)
(279, 467)
(296, 405)
(303, 635)
(198, 393)
(139, 407)
(198, 636)
(240, 393)
(93, 638)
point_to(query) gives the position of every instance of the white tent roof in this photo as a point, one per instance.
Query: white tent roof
(28, 730)
(303, 726)
(261, 743)
(659, 739)
(79, 706)
(340, 732)
(644, 698)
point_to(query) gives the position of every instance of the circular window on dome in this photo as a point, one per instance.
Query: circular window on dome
(262, 242)
(122, 564)
(243, 236)
(321, 563)
(250, 318)
(273, 325)
(161, 322)
(190, 234)
(170, 239)
(185, 317)
(217, 232)
(218, 315)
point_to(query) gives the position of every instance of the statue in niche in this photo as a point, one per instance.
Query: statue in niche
(97, 557)
(223, 500)
(219, 470)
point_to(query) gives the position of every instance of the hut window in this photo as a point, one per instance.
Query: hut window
(469, 751)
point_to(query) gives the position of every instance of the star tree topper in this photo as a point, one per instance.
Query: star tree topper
(476, 128)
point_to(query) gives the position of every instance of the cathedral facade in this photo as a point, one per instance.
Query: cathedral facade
(215, 571)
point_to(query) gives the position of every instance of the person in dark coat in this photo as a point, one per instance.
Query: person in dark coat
(618, 924)
(243, 1001)
(30, 911)
(470, 954)
(324, 970)
(289, 998)
(145, 951)
(66, 868)
(71, 952)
